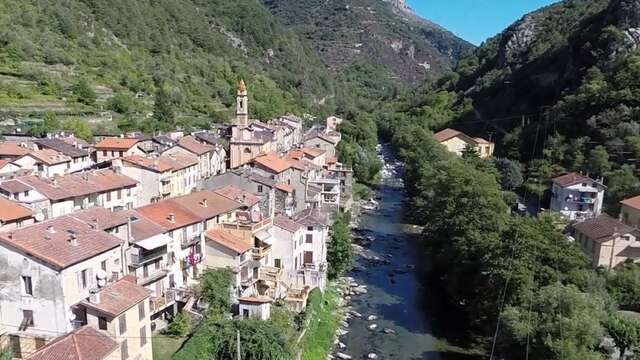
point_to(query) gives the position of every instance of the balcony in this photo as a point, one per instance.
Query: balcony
(190, 240)
(315, 267)
(159, 303)
(154, 275)
(260, 252)
(269, 273)
(581, 200)
(141, 257)
(248, 226)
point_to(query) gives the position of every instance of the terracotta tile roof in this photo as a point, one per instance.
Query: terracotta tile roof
(11, 211)
(228, 240)
(310, 217)
(49, 156)
(207, 204)
(304, 165)
(156, 164)
(331, 160)
(141, 227)
(118, 297)
(273, 163)
(480, 140)
(571, 178)
(160, 212)
(85, 343)
(10, 149)
(602, 228)
(116, 143)
(101, 218)
(238, 195)
(194, 146)
(179, 161)
(287, 223)
(50, 241)
(633, 202)
(62, 147)
(209, 138)
(14, 186)
(4, 163)
(296, 154)
(72, 185)
(312, 152)
(446, 134)
(319, 133)
(284, 187)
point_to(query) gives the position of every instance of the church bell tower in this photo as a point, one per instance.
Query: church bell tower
(242, 105)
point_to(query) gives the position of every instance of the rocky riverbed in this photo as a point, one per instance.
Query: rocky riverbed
(384, 310)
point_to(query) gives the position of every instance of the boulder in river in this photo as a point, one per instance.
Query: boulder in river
(372, 356)
(373, 326)
(343, 356)
(372, 317)
(389, 331)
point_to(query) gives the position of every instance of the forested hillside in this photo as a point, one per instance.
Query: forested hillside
(569, 73)
(102, 60)
(345, 32)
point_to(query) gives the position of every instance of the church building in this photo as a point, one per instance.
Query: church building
(247, 142)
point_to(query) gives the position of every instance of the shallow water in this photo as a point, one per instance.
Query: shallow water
(395, 295)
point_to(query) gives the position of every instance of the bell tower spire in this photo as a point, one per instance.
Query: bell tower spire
(242, 105)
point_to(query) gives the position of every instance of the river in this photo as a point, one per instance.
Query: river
(409, 324)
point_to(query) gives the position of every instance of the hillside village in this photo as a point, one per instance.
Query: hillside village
(107, 241)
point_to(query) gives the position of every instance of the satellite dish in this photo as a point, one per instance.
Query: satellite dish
(101, 274)
(39, 217)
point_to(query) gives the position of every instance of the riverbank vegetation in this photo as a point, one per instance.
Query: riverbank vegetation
(323, 313)
(339, 253)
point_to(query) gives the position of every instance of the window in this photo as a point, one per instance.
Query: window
(120, 153)
(260, 188)
(26, 193)
(310, 228)
(143, 336)
(122, 323)
(277, 263)
(83, 278)
(102, 323)
(308, 239)
(109, 196)
(104, 153)
(103, 265)
(124, 350)
(141, 310)
(14, 343)
(28, 286)
(156, 264)
(119, 194)
(27, 319)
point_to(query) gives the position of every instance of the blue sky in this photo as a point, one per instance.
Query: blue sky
(475, 20)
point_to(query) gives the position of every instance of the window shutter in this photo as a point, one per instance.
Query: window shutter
(91, 279)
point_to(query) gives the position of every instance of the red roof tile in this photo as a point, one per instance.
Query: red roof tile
(287, 223)
(284, 187)
(207, 204)
(10, 149)
(14, 186)
(571, 179)
(11, 211)
(143, 228)
(312, 152)
(156, 164)
(101, 218)
(86, 343)
(50, 241)
(179, 161)
(116, 143)
(238, 195)
(633, 202)
(228, 240)
(118, 297)
(255, 300)
(194, 146)
(160, 212)
(273, 163)
(49, 156)
(446, 134)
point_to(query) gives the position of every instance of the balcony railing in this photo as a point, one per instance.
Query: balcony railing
(138, 259)
(154, 275)
(582, 200)
(253, 227)
(188, 241)
(269, 273)
(159, 303)
(261, 252)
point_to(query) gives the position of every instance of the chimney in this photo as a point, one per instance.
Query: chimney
(51, 230)
(204, 202)
(172, 217)
(73, 239)
(93, 224)
(94, 296)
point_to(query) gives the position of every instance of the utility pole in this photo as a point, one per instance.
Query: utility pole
(238, 344)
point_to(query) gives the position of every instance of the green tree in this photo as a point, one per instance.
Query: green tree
(163, 110)
(80, 128)
(599, 163)
(215, 288)
(510, 173)
(121, 103)
(624, 332)
(180, 325)
(339, 253)
(83, 92)
(49, 124)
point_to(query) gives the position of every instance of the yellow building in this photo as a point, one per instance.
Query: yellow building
(121, 309)
(456, 141)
